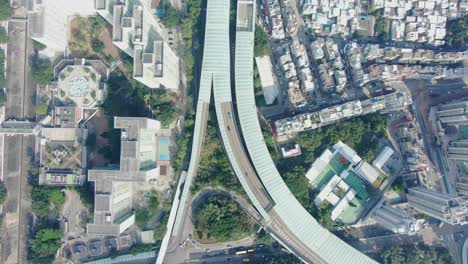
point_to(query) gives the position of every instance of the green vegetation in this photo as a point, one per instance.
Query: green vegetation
(264, 238)
(121, 92)
(143, 215)
(38, 46)
(359, 133)
(416, 254)
(45, 199)
(97, 45)
(41, 109)
(182, 142)
(140, 249)
(138, 101)
(299, 186)
(381, 27)
(371, 9)
(2, 78)
(284, 259)
(222, 219)
(161, 102)
(5, 9)
(457, 35)
(269, 140)
(45, 243)
(3, 35)
(3, 193)
(397, 185)
(161, 228)
(191, 30)
(262, 47)
(214, 169)
(87, 33)
(42, 70)
(171, 16)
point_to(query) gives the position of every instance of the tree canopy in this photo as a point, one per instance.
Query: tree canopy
(356, 132)
(38, 46)
(97, 45)
(46, 242)
(2, 69)
(2, 78)
(3, 35)
(3, 193)
(416, 254)
(5, 9)
(262, 46)
(42, 70)
(284, 259)
(45, 198)
(223, 220)
(457, 33)
(214, 168)
(171, 16)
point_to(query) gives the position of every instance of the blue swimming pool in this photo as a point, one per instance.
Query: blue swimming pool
(163, 148)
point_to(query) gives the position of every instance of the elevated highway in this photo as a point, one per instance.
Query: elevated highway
(282, 215)
(289, 222)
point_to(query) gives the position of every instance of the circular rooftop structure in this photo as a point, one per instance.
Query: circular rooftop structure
(79, 85)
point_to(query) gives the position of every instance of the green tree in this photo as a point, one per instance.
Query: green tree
(262, 46)
(3, 193)
(46, 242)
(41, 109)
(56, 197)
(284, 259)
(222, 219)
(298, 184)
(3, 35)
(139, 249)
(141, 217)
(416, 254)
(2, 76)
(96, 24)
(97, 45)
(42, 70)
(171, 16)
(38, 46)
(2, 97)
(5, 9)
(214, 168)
(457, 35)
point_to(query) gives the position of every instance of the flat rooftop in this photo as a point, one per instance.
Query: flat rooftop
(245, 16)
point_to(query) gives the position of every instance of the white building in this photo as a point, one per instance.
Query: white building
(383, 157)
(113, 212)
(137, 32)
(265, 70)
(49, 19)
(397, 220)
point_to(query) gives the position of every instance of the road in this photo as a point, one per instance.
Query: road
(17, 150)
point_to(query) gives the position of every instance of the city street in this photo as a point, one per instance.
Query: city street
(18, 150)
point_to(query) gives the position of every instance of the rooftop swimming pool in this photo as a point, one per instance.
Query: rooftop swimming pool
(163, 148)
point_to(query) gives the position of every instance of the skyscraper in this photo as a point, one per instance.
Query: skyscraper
(447, 208)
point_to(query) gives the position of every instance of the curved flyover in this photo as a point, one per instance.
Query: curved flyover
(292, 225)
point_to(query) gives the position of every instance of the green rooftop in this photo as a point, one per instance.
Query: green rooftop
(335, 167)
(350, 214)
